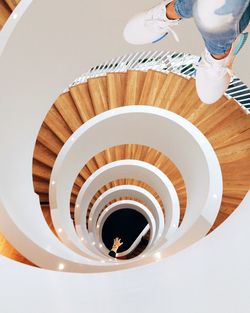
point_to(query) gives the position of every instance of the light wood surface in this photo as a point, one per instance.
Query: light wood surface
(224, 124)
(6, 8)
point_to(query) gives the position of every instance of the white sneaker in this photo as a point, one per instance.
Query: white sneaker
(150, 26)
(213, 76)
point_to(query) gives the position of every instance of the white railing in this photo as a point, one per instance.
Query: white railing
(182, 64)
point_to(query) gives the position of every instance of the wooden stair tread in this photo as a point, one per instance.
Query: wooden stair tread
(223, 123)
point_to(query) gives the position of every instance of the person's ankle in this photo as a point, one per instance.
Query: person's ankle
(171, 13)
(221, 56)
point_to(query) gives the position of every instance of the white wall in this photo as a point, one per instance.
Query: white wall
(211, 276)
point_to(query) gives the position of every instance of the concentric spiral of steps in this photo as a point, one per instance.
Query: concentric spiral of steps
(224, 124)
(163, 95)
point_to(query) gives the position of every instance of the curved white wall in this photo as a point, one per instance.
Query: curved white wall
(199, 168)
(126, 191)
(124, 204)
(135, 192)
(213, 273)
(139, 170)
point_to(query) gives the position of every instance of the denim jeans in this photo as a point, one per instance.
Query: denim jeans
(219, 21)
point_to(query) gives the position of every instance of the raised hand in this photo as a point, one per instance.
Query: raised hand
(117, 243)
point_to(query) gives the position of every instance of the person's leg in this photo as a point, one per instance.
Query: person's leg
(244, 21)
(220, 24)
(183, 8)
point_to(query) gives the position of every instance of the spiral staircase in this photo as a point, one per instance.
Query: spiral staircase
(129, 132)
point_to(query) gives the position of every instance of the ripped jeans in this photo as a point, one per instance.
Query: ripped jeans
(219, 21)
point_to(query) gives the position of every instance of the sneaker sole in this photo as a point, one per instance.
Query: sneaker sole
(162, 37)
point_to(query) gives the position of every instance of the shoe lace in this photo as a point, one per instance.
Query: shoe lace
(155, 20)
(215, 69)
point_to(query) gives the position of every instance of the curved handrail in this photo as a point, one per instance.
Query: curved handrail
(32, 239)
(139, 170)
(132, 191)
(182, 64)
(35, 240)
(120, 205)
(203, 179)
(118, 192)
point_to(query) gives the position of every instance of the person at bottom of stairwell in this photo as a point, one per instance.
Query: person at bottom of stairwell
(117, 243)
(219, 22)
